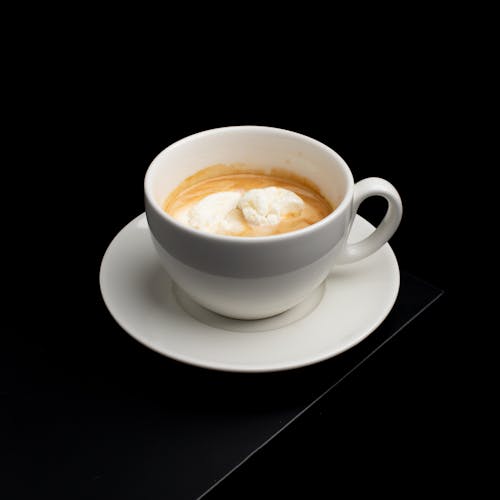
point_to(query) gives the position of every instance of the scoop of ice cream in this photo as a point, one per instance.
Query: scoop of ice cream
(227, 212)
(217, 213)
(266, 206)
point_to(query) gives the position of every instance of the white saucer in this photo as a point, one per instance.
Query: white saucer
(353, 302)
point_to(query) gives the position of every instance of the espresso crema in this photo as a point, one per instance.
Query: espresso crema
(237, 201)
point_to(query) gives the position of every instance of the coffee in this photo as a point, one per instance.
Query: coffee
(240, 201)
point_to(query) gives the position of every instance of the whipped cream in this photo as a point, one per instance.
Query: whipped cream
(228, 212)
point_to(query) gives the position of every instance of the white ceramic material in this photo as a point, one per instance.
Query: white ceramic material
(250, 278)
(352, 302)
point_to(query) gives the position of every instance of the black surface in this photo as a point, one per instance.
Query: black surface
(128, 423)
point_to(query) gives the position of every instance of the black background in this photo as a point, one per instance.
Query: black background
(89, 123)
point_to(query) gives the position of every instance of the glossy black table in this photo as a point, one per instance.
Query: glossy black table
(112, 419)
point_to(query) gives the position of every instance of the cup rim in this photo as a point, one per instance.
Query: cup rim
(317, 226)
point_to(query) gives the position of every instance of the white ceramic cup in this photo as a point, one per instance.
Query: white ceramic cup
(257, 277)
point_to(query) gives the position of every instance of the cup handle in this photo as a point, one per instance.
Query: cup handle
(373, 186)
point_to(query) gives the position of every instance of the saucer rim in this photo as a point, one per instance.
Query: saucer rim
(252, 368)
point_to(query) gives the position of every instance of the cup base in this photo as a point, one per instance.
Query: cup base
(215, 320)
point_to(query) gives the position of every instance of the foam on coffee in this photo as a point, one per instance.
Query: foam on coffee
(219, 199)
